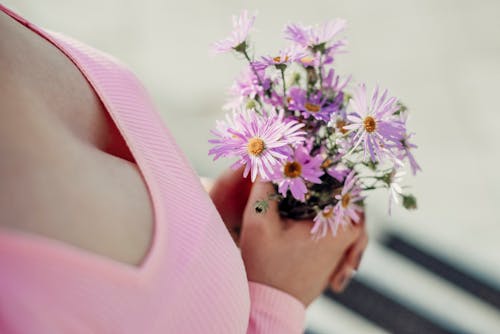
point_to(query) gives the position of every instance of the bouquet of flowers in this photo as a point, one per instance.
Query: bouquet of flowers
(293, 121)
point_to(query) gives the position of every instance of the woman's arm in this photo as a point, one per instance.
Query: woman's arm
(274, 311)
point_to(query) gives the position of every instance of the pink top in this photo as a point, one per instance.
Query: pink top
(193, 279)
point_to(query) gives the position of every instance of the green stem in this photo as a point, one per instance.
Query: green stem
(320, 70)
(251, 66)
(284, 86)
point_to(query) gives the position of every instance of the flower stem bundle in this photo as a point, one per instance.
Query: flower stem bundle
(293, 121)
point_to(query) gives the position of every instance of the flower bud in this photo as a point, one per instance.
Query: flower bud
(409, 202)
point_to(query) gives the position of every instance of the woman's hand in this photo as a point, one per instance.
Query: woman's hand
(230, 192)
(281, 253)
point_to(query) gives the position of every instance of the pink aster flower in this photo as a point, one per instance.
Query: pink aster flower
(285, 57)
(313, 36)
(246, 86)
(374, 124)
(324, 220)
(242, 25)
(332, 83)
(296, 170)
(260, 142)
(346, 210)
(272, 98)
(316, 105)
(222, 129)
(309, 60)
(338, 172)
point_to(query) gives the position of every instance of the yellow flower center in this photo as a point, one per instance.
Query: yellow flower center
(370, 124)
(255, 146)
(312, 107)
(340, 125)
(346, 199)
(307, 59)
(278, 59)
(326, 163)
(328, 213)
(293, 169)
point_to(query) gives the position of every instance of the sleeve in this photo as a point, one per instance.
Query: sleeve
(273, 311)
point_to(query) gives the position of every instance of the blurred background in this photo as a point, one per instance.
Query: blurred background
(434, 270)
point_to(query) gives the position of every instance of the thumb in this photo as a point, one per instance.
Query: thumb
(260, 208)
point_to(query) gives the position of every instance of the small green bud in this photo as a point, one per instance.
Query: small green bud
(261, 206)
(372, 165)
(319, 47)
(401, 108)
(242, 47)
(296, 78)
(347, 97)
(387, 178)
(280, 67)
(409, 202)
(251, 104)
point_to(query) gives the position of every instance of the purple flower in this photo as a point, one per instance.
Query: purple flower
(285, 57)
(315, 105)
(324, 220)
(346, 210)
(338, 172)
(309, 60)
(273, 98)
(315, 36)
(260, 142)
(222, 129)
(246, 86)
(297, 169)
(374, 124)
(242, 25)
(332, 84)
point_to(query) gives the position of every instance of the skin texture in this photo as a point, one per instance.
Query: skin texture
(279, 252)
(62, 159)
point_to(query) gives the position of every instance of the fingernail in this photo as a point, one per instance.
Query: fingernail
(346, 279)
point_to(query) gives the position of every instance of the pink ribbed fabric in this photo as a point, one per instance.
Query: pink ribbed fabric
(193, 279)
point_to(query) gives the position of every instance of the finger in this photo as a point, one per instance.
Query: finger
(349, 264)
(355, 252)
(230, 194)
(260, 208)
(354, 257)
(342, 280)
(234, 179)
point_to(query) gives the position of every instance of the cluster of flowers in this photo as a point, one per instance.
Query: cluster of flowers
(292, 122)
